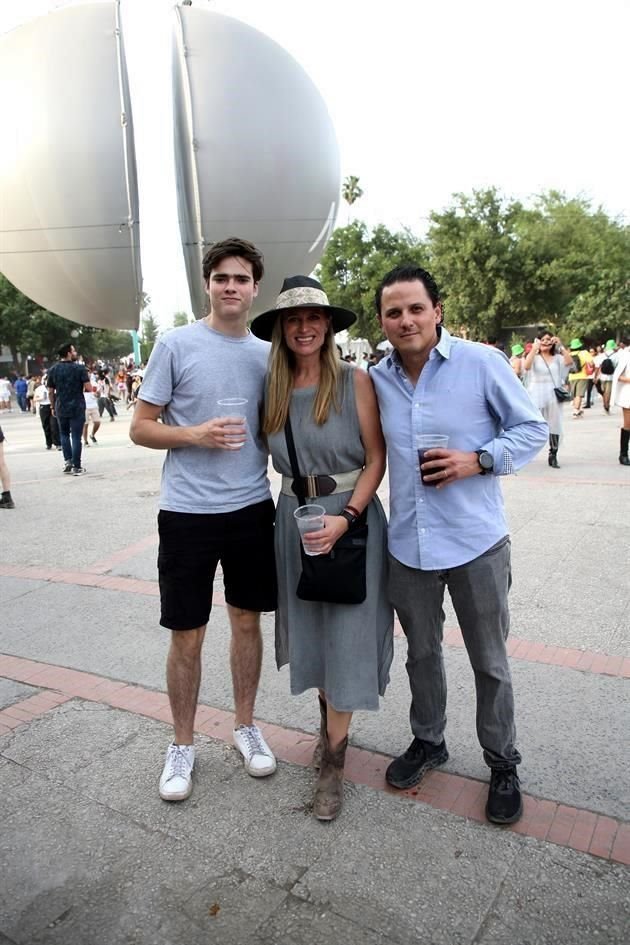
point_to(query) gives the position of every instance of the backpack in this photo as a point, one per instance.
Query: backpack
(607, 366)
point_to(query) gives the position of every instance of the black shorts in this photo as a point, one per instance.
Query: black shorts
(192, 545)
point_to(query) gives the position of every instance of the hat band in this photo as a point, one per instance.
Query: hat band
(302, 295)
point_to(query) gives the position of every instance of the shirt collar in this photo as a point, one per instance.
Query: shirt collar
(443, 348)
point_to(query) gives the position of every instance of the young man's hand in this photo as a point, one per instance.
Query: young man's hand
(222, 433)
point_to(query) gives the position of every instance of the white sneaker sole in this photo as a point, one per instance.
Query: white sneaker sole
(259, 774)
(175, 795)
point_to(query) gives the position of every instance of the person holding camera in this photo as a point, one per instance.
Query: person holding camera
(546, 365)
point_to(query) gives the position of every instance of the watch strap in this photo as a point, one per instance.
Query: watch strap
(349, 517)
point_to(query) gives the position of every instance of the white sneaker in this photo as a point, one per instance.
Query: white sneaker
(259, 759)
(176, 780)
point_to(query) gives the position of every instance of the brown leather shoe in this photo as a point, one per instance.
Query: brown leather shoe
(329, 791)
(323, 721)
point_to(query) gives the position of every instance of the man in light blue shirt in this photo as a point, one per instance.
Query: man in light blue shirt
(447, 522)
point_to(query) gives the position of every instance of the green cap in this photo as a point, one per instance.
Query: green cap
(610, 345)
(517, 349)
(576, 344)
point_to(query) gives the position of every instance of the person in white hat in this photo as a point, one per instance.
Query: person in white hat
(343, 650)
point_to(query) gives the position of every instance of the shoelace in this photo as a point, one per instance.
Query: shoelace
(179, 763)
(254, 742)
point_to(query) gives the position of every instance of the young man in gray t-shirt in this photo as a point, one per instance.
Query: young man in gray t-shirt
(215, 502)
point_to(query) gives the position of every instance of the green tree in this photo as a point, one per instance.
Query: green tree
(16, 311)
(477, 259)
(351, 191)
(150, 331)
(353, 264)
(580, 260)
(180, 319)
(104, 344)
(26, 329)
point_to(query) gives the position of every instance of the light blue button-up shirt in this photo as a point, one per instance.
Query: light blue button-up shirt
(469, 392)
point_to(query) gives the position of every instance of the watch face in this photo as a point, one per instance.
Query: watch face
(486, 461)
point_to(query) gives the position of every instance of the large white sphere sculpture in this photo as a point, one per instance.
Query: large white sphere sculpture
(255, 148)
(68, 200)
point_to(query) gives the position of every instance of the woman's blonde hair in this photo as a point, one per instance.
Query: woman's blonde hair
(280, 380)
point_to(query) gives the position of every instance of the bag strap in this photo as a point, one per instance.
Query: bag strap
(295, 469)
(555, 383)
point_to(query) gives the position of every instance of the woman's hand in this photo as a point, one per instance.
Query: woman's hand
(323, 541)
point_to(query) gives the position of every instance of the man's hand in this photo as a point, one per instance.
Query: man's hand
(451, 465)
(222, 433)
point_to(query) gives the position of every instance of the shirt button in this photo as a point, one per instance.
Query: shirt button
(422, 531)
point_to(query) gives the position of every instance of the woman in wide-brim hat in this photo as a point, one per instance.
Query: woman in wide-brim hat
(342, 650)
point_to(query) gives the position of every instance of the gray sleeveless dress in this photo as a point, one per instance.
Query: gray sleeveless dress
(344, 649)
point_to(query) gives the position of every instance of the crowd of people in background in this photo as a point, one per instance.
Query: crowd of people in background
(588, 375)
(32, 395)
(553, 373)
(112, 385)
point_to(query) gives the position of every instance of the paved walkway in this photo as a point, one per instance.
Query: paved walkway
(95, 856)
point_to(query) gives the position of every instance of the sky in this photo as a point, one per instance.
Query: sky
(428, 99)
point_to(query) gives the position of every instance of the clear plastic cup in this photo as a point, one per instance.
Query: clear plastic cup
(430, 441)
(309, 518)
(234, 408)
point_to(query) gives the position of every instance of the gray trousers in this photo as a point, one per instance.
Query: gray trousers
(479, 591)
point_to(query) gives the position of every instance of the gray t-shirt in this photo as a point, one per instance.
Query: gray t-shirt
(189, 370)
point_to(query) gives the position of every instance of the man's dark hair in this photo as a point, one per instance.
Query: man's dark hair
(233, 246)
(408, 274)
(64, 350)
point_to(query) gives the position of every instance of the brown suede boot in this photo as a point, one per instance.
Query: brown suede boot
(323, 721)
(329, 791)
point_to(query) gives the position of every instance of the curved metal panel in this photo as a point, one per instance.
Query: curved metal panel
(69, 235)
(256, 154)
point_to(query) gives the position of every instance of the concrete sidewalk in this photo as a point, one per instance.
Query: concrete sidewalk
(90, 854)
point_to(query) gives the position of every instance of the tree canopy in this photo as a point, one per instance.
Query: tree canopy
(30, 331)
(499, 263)
(355, 261)
(181, 318)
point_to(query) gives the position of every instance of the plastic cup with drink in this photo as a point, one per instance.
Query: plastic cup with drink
(233, 408)
(430, 441)
(309, 518)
